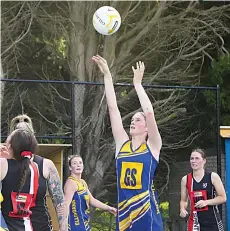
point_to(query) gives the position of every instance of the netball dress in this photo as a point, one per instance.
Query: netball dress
(206, 218)
(79, 208)
(138, 206)
(38, 219)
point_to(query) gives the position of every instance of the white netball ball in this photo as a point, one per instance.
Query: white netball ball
(106, 20)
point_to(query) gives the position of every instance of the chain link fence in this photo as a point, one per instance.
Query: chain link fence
(76, 113)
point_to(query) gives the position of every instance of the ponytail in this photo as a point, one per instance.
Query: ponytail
(26, 156)
(23, 144)
(24, 172)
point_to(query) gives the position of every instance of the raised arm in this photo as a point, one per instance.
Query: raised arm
(184, 198)
(119, 133)
(56, 193)
(154, 138)
(69, 190)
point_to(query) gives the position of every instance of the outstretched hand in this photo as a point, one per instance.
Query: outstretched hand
(102, 64)
(138, 72)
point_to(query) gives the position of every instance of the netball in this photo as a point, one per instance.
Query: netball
(106, 20)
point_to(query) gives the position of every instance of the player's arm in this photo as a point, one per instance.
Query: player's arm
(220, 191)
(184, 198)
(98, 204)
(55, 190)
(119, 133)
(154, 137)
(69, 189)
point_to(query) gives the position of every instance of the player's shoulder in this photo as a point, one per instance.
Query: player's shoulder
(184, 179)
(214, 176)
(70, 184)
(47, 161)
(49, 168)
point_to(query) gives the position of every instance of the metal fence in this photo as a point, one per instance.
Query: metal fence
(76, 112)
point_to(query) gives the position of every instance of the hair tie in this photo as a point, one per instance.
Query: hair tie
(27, 154)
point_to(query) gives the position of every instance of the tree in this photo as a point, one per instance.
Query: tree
(219, 74)
(56, 40)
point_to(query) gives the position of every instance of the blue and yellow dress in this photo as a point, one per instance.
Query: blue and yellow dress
(79, 208)
(138, 206)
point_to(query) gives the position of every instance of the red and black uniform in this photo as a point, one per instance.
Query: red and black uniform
(206, 218)
(39, 220)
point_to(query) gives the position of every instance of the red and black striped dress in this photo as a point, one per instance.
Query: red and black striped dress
(39, 220)
(207, 218)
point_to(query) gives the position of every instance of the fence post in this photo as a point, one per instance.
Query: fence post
(225, 133)
(73, 118)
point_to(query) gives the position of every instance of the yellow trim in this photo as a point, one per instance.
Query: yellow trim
(133, 154)
(142, 148)
(83, 181)
(126, 148)
(123, 225)
(133, 199)
(81, 192)
(81, 184)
